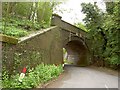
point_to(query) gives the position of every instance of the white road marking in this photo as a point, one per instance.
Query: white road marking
(106, 87)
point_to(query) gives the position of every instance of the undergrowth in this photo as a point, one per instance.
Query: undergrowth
(34, 77)
(19, 27)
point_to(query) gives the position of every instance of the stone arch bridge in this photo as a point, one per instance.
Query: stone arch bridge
(74, 41)
(46, 46)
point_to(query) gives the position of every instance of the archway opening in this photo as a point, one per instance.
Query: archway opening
(75, 53)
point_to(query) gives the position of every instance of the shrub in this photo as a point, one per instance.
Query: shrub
(34, 77)
(16, 32)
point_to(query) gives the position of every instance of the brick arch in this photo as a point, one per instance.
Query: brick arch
(72, 36)
(75, 38)
(77, 51)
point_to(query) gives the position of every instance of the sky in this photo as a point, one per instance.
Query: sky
(71, 10)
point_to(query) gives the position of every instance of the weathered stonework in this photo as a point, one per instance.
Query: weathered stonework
(74, 41)
(46, 46)
(8, 39)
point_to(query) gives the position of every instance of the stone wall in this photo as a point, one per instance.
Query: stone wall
(44, 46)
(57, 21)
(70, 33)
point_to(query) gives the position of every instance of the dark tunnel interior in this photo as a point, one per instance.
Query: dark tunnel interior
(76, 53)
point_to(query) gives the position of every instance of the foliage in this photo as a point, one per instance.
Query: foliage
(64, 51)
(65, 58)
(93, 21)
(81, 26)
(35, 11)
(26, 15)
(16, 32)
(110, 7)
(104, 29)
(67, 61)
(34, 77)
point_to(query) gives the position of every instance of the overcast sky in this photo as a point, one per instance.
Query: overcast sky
(71, 10)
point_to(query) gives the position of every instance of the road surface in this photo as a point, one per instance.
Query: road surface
(84, 77)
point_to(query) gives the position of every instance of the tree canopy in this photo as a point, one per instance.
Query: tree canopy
(26, 16)
(103, 31)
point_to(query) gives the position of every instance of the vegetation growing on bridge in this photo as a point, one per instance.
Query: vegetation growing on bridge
(103, 32)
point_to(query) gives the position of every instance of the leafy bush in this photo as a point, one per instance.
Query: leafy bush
(81, 26)
(103, 32)
(13, 31)
(23, 23)
(17, 27)
(34, 77)
(67, 61)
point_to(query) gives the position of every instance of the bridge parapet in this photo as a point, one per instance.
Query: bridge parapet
(44, 46)
(72, 34)
(57, 21)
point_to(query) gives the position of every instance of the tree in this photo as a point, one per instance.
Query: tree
(112, 28)
(81, 26)
(36, 12)
(94, 21)
(110, 7)
(104, 29)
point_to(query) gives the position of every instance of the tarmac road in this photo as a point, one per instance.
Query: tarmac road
(84, 77)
